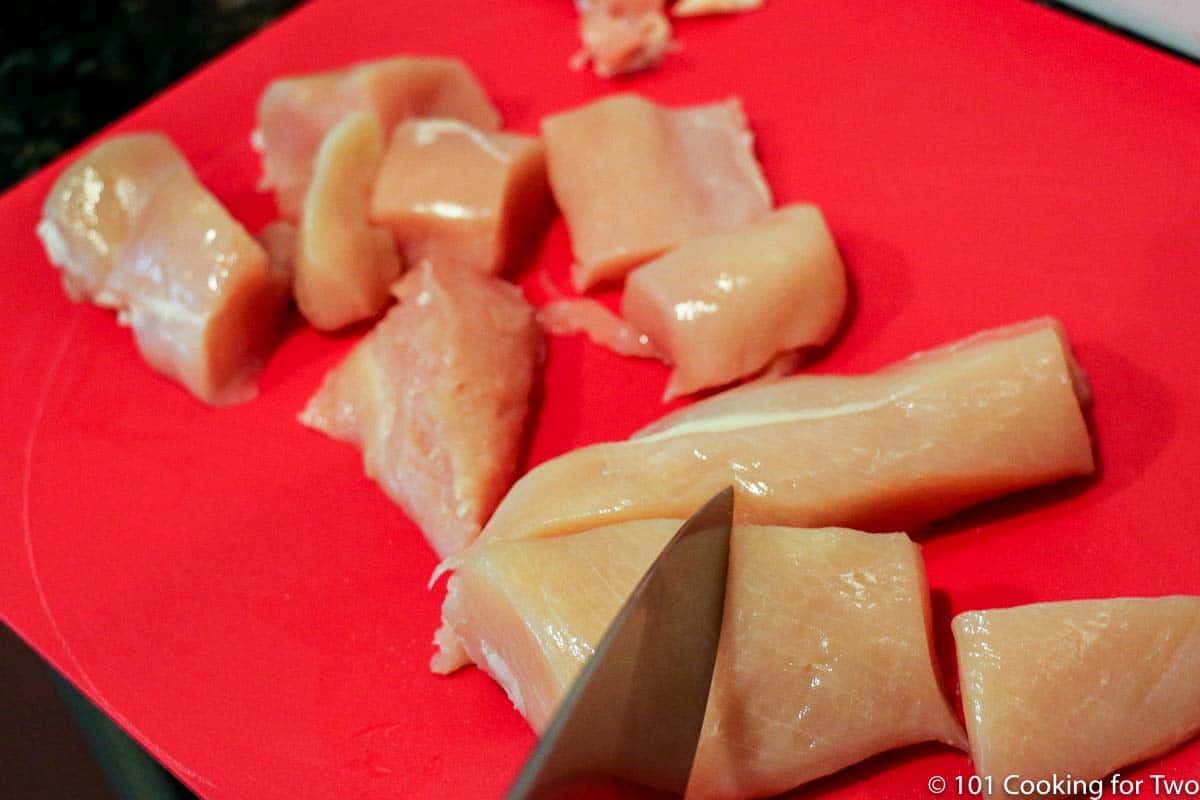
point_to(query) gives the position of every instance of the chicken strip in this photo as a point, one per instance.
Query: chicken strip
(898, 448)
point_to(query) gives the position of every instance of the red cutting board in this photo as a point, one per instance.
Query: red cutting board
(230, 588)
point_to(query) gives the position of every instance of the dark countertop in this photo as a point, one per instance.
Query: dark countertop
(69, 68)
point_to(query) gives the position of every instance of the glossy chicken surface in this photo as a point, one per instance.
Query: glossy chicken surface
(89, 216)
(722, 307)
(133, 229)
(1078, 688)
(460, 195)
(295, 113)
(438, 424)
(824, 657)
(345, 264)
(634, 179)
(897, 448)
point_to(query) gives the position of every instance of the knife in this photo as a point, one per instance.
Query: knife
(636, 710)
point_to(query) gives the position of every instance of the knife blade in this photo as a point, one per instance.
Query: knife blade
(635, 711)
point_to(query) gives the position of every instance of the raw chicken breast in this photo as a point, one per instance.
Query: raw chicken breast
(137, 231)
(203, 301)
(695, 8)
(90, 212)
(281, 240)
(1078, 688)
(721, 307)
(345, 265)
(622, 36)
(564, 317)
(436, 396)
(295, 113)
(459, 195)
(911, 443)
(824, 660)
(634, 179)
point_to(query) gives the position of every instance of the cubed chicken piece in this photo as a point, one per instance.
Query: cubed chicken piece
(901, 447)
(344, 265)
(622, 36)
(436, 397)
(1078, 688)
(200, 294)
(150, 241)
(634, 179)
(722, 307)
(295, 113)
(458, 195)
(91, 211)
(696, 8)
(825, 655)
